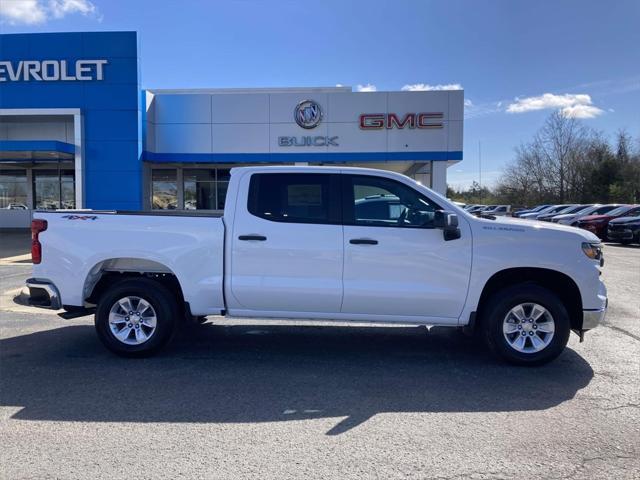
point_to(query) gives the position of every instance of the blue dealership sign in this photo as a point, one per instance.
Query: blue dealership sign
(98, 73)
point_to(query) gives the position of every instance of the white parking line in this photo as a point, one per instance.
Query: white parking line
(16, 259)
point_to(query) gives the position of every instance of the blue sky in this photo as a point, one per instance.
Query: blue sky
(517, 61)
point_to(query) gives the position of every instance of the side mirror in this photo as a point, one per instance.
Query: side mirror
(448, 223)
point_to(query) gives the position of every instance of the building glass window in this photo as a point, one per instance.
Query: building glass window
(67, 189)
(54, 189)
(13, 189)
(222, 184)
(164, 189)
(205, 189)
(199, 189)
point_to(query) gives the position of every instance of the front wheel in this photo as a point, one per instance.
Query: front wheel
(526, 325)
(136, 317)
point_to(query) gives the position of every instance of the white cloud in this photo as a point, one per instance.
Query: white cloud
(423, 87)
(60, 8)
(29, 12)
(570, 105)
(34, 12)
(366, 88)
(474, 110)
(581, 111)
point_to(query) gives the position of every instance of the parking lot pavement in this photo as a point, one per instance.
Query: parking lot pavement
(14, 244)
(282, 400)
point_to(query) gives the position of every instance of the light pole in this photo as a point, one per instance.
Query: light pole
(480, 169)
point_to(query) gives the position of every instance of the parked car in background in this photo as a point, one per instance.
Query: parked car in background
(476, 208)
(555, 209)
(572, 218)
(497, 211)
(624, 230)
(598, 224)
(524, 211)
(573, 209)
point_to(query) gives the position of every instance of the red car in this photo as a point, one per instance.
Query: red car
(598, 223)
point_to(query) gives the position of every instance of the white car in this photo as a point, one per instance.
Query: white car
(17, 206)
(322, 243)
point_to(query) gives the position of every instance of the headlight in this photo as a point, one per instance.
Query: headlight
(592, 250)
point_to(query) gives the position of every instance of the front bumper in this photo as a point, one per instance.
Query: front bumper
(626, 234)
(43, 294)
(593, 317)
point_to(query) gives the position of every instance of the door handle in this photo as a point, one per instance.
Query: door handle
(260, 238)
(363, 241)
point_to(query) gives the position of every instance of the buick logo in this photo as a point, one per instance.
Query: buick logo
(308, 114)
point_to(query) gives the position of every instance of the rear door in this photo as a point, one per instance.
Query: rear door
(287, 243)
(396, 263)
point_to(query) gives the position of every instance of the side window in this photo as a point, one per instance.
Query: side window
(381, 202)
(292, 197)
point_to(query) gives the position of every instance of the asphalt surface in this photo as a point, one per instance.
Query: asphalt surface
(290, 400)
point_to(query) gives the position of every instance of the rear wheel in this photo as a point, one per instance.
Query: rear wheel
(136, 317)
(526, 325)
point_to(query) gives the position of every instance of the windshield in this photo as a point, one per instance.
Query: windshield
(586, 211)
(559, 209)
(575, 209)
(601, 210)
(546, 210)
(619, 210)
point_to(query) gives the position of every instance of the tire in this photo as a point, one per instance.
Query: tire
(156, 302)
(498, 319)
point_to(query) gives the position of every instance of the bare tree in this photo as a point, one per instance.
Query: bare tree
(548, 167)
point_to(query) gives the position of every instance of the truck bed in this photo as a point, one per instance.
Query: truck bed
(78, 246)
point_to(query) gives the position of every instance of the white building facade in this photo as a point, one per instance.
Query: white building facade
(193, 137)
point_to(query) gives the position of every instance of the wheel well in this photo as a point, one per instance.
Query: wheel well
(559, 283)
(109, 272)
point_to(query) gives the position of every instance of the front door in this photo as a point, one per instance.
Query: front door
(396, 263)
(287, 244)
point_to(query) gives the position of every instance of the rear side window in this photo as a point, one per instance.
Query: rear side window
(294, 197)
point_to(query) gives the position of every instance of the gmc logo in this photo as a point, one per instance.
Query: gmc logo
(377, 121)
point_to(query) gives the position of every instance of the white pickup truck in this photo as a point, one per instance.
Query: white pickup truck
(328, 243)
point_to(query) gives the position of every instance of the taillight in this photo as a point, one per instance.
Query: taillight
(37, 225)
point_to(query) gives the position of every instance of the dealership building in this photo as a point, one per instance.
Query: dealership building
(77, 130)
